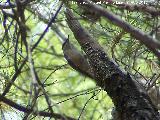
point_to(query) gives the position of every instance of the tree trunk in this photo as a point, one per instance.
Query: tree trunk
(129, 97)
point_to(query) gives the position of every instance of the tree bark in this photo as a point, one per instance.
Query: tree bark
(129, 97)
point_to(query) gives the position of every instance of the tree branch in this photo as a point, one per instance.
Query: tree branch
(27, 110)
(151, 43)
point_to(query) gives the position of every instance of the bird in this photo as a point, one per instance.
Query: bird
(76, 59)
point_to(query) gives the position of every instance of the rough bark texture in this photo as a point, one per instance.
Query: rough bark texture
(130, 99)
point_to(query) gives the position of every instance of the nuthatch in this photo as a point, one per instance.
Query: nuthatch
(76, 60)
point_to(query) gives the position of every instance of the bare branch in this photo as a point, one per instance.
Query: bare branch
(144, 38)
(27, 110)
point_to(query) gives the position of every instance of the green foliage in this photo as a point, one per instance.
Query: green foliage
(68, 90)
